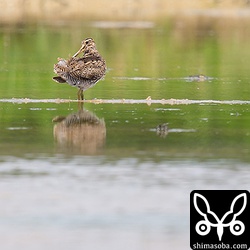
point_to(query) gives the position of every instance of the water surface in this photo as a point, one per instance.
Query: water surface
(116, 171)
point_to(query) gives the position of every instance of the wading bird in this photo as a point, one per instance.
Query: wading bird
(81, 72)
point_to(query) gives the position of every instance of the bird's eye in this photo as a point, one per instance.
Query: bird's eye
(87, 41)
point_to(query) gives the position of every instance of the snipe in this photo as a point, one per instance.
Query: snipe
(82, 72)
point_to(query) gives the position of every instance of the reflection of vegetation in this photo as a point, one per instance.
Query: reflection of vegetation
(80, 132)
(178, 49)
(171, 51)
(221, 131)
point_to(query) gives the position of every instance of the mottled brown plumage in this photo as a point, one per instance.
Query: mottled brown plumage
(82, 72)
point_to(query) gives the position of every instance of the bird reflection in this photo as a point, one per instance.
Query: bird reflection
(82, 132)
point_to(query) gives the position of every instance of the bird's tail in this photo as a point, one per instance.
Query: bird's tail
(58, 79)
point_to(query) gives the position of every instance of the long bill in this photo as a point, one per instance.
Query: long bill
(79, 51)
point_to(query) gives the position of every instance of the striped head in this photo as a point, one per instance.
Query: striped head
(88, 48)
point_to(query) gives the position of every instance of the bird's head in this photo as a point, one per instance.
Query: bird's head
(88, 45)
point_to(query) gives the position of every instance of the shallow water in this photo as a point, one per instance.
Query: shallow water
(116, 171)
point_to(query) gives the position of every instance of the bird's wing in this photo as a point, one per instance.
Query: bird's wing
(86, 68)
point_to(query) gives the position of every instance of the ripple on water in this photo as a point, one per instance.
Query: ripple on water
(18, 128)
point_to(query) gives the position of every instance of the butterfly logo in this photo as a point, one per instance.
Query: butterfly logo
(203, 227)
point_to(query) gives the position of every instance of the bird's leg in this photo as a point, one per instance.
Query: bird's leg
(80, 98)
(80, 106)
(80, 94)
